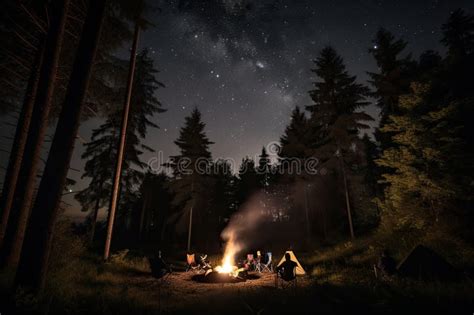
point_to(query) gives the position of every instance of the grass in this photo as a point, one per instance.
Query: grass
(340, 278)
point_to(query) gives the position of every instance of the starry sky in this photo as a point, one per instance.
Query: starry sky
(246, 64)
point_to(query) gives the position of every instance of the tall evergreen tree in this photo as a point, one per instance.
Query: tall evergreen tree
(35, 254)
(394, 76)
(424, 159)
(456, 81)
(24, 193)
(264, 169)
(192, 181)
(294, 142)
(458, 34)
(337, 96)
(155, 200)
(248, 181)
(101, 150)
(223, 201)
(225, 187)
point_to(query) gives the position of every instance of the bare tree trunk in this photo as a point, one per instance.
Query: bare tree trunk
(346, 191)
(26, 183)
(18, 147)
(35, 255)
(121, 147)
(308, 224)
(190, 227)
(94, 220)
(143, 215)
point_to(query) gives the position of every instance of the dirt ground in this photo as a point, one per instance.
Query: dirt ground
(179, 292)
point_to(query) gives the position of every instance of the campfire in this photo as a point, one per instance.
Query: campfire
(228, 264)
(228, 271)
(227, 267)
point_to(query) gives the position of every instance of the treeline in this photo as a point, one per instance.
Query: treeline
(413, 178)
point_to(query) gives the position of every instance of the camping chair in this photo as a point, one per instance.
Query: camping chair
(205, 265)
(259, 262)
(191, 263)
(268, 266)
(285, 282)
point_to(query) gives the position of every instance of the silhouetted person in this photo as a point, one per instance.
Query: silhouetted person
(158, 266)
(287, 269)
(386, 264)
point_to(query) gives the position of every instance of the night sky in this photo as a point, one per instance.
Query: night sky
(246, 64)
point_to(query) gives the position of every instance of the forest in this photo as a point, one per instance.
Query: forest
(339, 186)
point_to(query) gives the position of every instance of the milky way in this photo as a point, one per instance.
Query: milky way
(246, 64)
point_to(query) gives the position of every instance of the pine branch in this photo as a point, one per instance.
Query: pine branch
(35, 19)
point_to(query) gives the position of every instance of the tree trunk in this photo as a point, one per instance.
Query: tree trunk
(121, 146)
(35, 255)
(94, 220)
(18, 147)
(348, 204)
(142, 216)
(38, 126)
(190, 227)
(308, 224)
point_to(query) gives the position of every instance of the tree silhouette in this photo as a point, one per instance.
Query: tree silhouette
(101, 150)
(190, 185)
(336, 97)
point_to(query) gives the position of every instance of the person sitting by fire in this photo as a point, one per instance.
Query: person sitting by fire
(287, 269)
(158, 266)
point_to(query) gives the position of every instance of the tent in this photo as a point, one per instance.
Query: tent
(299, 269)
(422, 263)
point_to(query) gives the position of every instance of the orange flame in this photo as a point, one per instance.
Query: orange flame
(228, 263)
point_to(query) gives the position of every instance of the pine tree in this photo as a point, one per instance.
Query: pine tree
(155, 200)
(394, 76)
(223, 203)
(24, 193)
(192, 181)
(455, 83)
(334, 119)
(264, 169)
(424, 182)
(225, 187)
(294, 142)
(458, 34)
(35, 254)
(248, 181)
(101, 150)
(22, 33)
(336, 97)
(18, 146)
